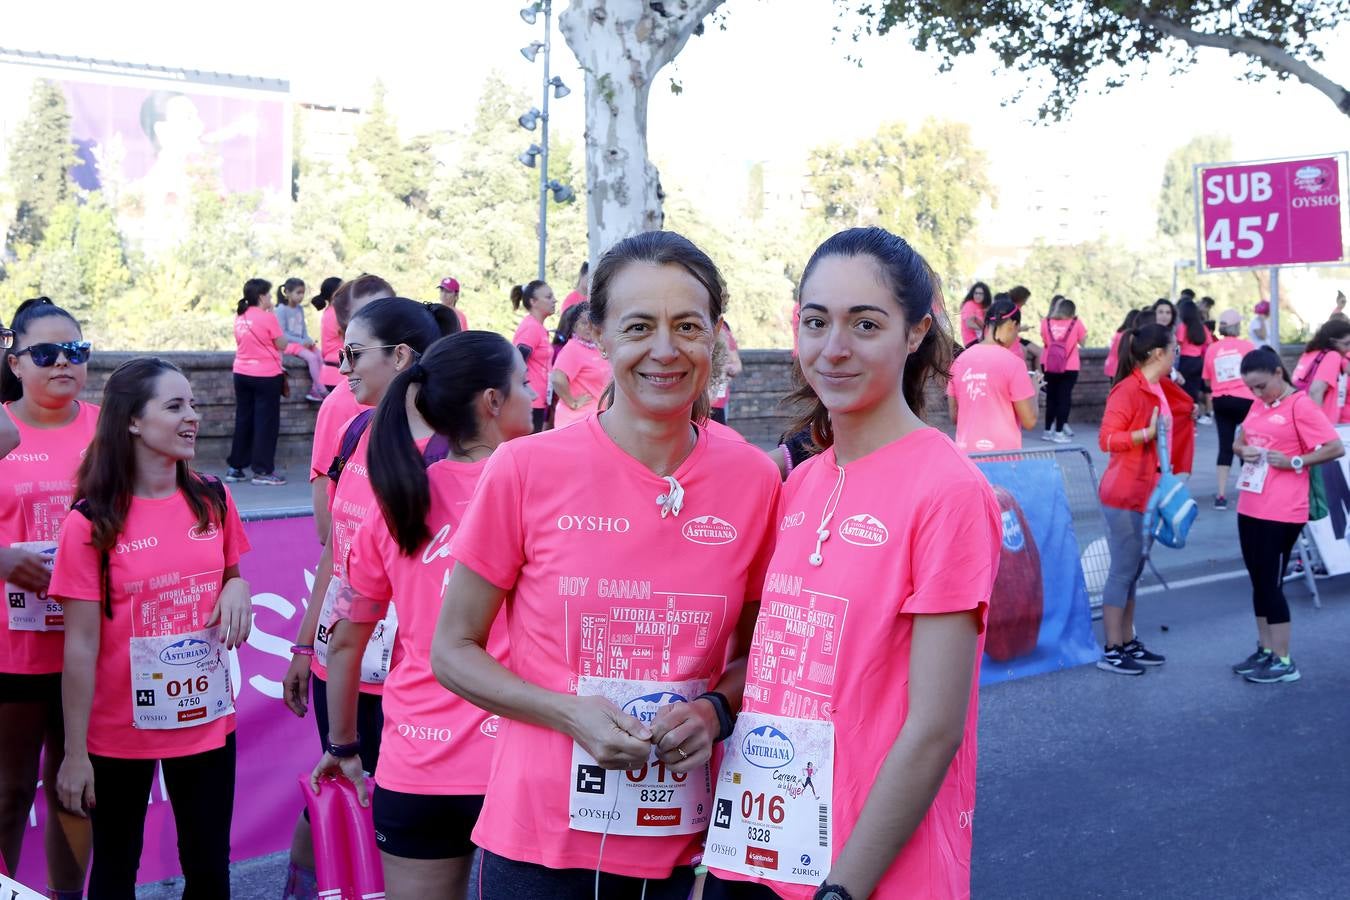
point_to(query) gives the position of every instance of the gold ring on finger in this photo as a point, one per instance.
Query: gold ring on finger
(683, 755)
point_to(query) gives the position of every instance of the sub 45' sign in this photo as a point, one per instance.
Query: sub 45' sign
(1277, 213)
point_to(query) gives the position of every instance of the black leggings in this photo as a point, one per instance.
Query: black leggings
(1228, 415)
(1058, 398)
(715, 888)
(257, 423)
(495, 877)
(201, 791)
(1192, 369)
(1266, 546)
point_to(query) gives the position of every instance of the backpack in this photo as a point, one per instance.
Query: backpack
(1171, 510)
(438, 448)
(1306, 379)
(1056, 359)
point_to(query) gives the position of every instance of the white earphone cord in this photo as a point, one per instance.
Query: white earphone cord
(605, 835)
(823, 532)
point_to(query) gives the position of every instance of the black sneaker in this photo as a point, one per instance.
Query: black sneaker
(1274, 671)
(1115, 660)
(1142, 655)
(1253, 663)
(1220, 502)
(236, 475)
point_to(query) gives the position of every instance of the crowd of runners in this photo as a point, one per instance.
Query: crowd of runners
(587, 641)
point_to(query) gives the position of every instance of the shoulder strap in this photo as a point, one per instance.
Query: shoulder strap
(1164, 454)
(216, 485)
(438, 448)
(350, 439)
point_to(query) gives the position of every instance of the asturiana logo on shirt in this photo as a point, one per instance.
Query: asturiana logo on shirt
(491, 725)
(709, 530)
(204, 534)
(864, 530)
(645, 708)
(185, 652)
(767, 747)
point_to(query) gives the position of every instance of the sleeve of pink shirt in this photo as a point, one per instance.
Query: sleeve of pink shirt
(236, 539)
(1079, 333)
(1207, 373)
(1310, 424)
(1019, 383)
(1330, 369)
(366, 571)
(569, 360)
(75, 575)
(951, 559)
(491, 536)
(759, 566)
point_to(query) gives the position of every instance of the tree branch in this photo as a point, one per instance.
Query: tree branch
(1270, 55)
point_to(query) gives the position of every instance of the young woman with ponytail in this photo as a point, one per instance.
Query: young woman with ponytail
(991, 395)
(291, 316)
(330, 333)
(383, 339)
(627, 549)
(1136, 409)
(258, 378)
(537, 299)
(470, 390)
(896, 586)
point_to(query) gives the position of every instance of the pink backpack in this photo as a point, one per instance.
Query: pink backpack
(1056, 359)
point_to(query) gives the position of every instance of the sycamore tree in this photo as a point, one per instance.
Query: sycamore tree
(1070, 40)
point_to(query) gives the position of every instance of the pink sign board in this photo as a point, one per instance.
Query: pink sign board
(273, 745)
(1254, 215)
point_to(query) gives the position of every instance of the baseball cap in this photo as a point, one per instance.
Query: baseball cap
(1230, 317)
(1262, 308)
(450, 284)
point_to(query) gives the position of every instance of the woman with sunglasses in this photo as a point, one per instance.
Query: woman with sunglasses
(40, 383)
(383, 339)
(258, 382)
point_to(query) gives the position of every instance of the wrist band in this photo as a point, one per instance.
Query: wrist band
(302, 649)
(345, 751)
(787, 458)
(726, 719)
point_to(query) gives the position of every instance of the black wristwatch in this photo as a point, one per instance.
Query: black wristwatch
(345, 751)
(726, 719)
(832, 892)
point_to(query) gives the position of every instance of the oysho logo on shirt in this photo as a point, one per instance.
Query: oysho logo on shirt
(425, 733)
(709, 530)
(599, 524)
(147, 543)
(767, 747)
(864, 530)
(28, 457)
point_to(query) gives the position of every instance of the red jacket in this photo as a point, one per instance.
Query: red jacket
(1132, 472)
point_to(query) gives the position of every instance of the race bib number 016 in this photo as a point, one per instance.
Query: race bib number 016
(651, 800)
(30, 611)
(180, 680)
(772, 814)
(379, 652)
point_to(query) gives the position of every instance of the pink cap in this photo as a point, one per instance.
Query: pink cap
(1262, 308)
(450, 284)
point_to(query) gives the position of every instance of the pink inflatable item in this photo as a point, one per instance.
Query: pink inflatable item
(347, 863)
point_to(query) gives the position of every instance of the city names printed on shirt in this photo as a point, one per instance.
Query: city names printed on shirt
(795, 649)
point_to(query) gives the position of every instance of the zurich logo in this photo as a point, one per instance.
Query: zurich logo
(806, 859)
(645, 708)
(1013, 538)
(185, 652)
(767, 747)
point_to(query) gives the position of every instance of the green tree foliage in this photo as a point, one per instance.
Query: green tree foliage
(1070, 40)
(1176, 199)
(401, 170)
(40, 158)
(924, 184)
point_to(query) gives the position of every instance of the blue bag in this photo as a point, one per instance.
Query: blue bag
(1171, 510)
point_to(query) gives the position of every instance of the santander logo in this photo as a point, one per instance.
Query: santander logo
(709, 530)
(864, 530)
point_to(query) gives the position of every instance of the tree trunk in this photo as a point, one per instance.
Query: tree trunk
(622, 45)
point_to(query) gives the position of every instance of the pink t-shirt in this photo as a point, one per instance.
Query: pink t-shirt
(532, 333)
(717, 429)
(255, 333)
(971, 309)
(166, 575)
(37, 482)
(1294, 426)
(463, 319)
(930, 549)
(337, 409)
(1112, 356)
(1329, 371)
(433, 742)
(723, 395)
(330, 342)
(1224, 358)
(587, 373)
(568, 524)
(571, 300)
(986, 382)
(1069, 332)
(1189, 349)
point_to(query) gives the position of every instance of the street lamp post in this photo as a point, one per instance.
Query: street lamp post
(539, 152)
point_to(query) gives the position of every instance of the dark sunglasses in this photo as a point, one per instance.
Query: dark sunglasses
(44, 355)
(349, 354)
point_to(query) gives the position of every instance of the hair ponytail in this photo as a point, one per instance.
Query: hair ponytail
(327, 288)
(451, 374)
(254, 290)
(523, 295)
(1137, 345)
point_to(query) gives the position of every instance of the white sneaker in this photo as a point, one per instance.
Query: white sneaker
(1205, 420)
(1060, 437)
(1048, 436)
(1068, 430)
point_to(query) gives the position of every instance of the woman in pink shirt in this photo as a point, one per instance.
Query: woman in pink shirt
(40, 382)
(1063, 333)
(532, 338)
(1321, 370)
(1192, 338)
(1232, 401)
(330, 335)
(434, 755)
(973, 306)
(1113, 353)
(990, 393)
(627, 551)
(148, 572)
(580, 374)
(862, 690)
(258, 379)
(1282, 437)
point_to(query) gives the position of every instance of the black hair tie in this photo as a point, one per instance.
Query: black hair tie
(417, 374)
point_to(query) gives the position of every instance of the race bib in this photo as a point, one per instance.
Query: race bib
(180, 680)
(30, 611)
(379, 652)
(772, 814)
(1252, 478)
(1340, 390)
(1227, 368)
(651, 800)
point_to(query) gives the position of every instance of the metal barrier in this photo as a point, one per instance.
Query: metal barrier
(1079, 476)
